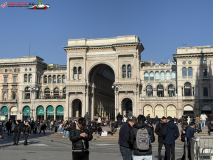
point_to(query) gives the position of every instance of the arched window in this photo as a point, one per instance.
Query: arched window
(75, 73)
(59, 79)
(56, 93)
(64, 92)
(204, 72)
(149, 91)
(151, 75)
(187, 89)
(190, 73)
(14, 96)
(184, 72)
(5, 96)
(171, 90)
(79, 72)
(129, 71)
(27, 93)
(47, 93)
(162, 75)
(45, 79)
(124, 71)
(146, 76)
(167, 75)
(30, 77)
(160, 91)
(205, 92)
(63, 79)
(25, 78)
(54, 79)
(173, 74)
(157, 76)
(49, 79)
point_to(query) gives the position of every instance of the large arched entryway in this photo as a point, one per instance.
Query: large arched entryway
(206, 109)
(148, 110)
(13, 113)
(76, 108)
(171, 111)
(102, 101)
(127, 107)
(188, 110)
(159, 111)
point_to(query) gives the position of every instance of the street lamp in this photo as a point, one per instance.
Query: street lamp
(33, 89)
(115, 87)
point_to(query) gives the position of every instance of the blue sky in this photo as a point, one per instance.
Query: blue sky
(162, 26)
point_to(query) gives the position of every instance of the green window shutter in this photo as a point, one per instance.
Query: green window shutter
(26, 111)
(40, 111)
(4, 110)
(60, 111)
(50, 111)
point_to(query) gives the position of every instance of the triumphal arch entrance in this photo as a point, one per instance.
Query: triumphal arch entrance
(103, 77)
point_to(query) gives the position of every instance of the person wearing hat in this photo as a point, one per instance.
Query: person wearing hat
(159, 130)
(26, 132)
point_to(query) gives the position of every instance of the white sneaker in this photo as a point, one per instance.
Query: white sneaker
(63, 136)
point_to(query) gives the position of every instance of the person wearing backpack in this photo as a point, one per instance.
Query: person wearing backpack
(159, 131)
(170, 134)
(125, 147)
(141, 136)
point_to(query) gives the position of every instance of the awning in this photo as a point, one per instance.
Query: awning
(40, 111)
(60, 111)
(27, 111)
(13, 111)
(188, 108)
(4, 110)
(206, 108)
(50, 111)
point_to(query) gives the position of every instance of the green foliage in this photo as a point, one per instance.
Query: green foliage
(39, 2)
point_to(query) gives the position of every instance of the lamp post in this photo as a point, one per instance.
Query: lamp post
(33, 89)
(115, 87)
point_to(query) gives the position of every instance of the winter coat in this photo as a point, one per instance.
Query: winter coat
(80, 143)
(27, 129)
(170, 133)
(13, 126)
(124, 135)
(189, 133)
(203, 117)
(210, 127)
(198, 119)
(132, 138)
(17, 128)
(197, 126)
(43, 127)
(119, 119)
(159, 131)
(8, 125)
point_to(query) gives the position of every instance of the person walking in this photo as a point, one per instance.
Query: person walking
(86, 116)
(159, 131)
(124, 119)
(51, 125)
(170, 134)
(26, 132)
(56, 125)
(156, 120)
(119, 120)
(43, 127)
(203, 120)
(9, 126)
(17, 132)
(80, 137)
(148, 119)
(13, 126)
(125, 148)
(141, 136)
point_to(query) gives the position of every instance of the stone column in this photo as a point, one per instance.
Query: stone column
(54, 114)
(92, 105)
(84, 104)
(67, 109)
(45, 114)
(116, 109)
(87, 101)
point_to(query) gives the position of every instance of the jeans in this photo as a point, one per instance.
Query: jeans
(149, 157)
(170, 151)
(65, 132)
(80, 155)
(126, 153)
(56, 128)
(203, 123)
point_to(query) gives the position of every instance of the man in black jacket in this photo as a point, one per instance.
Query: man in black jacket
(8, 126)
(80, 137)
(140, 154)
(170, 134)
(159, 131)
(16, 133)
(125, 148)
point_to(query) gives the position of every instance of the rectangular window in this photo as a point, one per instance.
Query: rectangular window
(5, 70)
(14, 79)
(27, 96)
(5, 79)
(204, 61)
(204, 72)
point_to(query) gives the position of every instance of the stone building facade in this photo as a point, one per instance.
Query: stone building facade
(106, 77)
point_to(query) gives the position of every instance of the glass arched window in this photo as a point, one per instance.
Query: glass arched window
(184, 72)
(25, 78)
(63, 79)
(146, 76)
(151, 75)
(124, 71)
(173, 74)
(56, 93)
(160, 91)
(187, 89)
(49, 79)
(59, 79)
(79, 70)
(205, 92)
(75, 70)
(47, 93)
(167, 75)
(129, 71)
(190, 73)
(30, 77)
(27, 93)
(171, 90)
(5, 96)
(54, 79)
(157, 76)
(45, 79)
(149, 91)
(162, 75)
